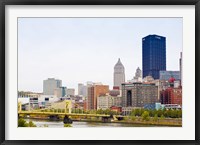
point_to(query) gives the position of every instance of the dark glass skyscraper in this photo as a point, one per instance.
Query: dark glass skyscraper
(153, 55)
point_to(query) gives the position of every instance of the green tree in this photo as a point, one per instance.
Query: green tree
(162, 117)
(132, 113)
(173, 114)
(159, 112)
(132, 116)
(137, 112)
(179, 113)
(167, 113)
(31, 124)
(22, 123)
(155, 118)
(145, 116)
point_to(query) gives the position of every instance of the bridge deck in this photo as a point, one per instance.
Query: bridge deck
(59, 113)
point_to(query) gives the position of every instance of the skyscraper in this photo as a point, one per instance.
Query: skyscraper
(82, 89)
(119, 74)
(153, 55)
(50, 85)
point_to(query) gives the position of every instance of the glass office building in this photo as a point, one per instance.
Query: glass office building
(153, 55)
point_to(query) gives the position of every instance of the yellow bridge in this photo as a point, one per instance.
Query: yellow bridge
(67, 112)
(60, 114)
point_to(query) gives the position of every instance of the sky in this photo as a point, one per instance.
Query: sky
(77, 50)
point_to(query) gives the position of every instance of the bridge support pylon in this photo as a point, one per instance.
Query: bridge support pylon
(68, 106)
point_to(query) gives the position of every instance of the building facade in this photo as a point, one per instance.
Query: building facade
(60, 92)
(107, 101)
(70, 92)
(139, 94)
(50, 85)
(82, 89)
(119, 74)
(166, 75)
(138, 73)
(171, 96)
(95, 91)
(153, 55)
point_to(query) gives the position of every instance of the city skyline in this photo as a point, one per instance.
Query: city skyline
(77, 50)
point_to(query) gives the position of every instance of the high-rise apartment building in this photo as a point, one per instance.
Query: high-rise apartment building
(153, 55)
(95, 91)
(50, 85)
(119, 74)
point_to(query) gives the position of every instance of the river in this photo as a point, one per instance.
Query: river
(78, 124)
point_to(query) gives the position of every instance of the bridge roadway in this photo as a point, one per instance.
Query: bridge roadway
(105, 118)
(60, 113)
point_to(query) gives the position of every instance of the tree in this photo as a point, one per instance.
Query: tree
(173, 114)
(132, 113)
(145, 116)
(155, 117)
(132, 116)
(162, 117)
(137, 112)
(31, 124)
(22, 123)
(179, 113)
(159, 112)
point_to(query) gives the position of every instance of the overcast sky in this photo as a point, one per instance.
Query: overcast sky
(77, 50)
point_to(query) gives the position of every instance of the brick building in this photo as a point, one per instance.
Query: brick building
(95, 91)
(171, 96)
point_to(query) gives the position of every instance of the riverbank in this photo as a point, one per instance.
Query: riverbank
(170, 122)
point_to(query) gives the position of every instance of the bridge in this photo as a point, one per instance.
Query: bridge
(57, 115)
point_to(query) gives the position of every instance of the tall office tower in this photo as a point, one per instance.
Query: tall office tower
(95, 91)
(119, 74)
(180, 65)
(153, 55)
(50, 85)
(82, 89)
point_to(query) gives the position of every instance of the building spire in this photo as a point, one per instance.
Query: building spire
(119, 60)
(119, 75)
